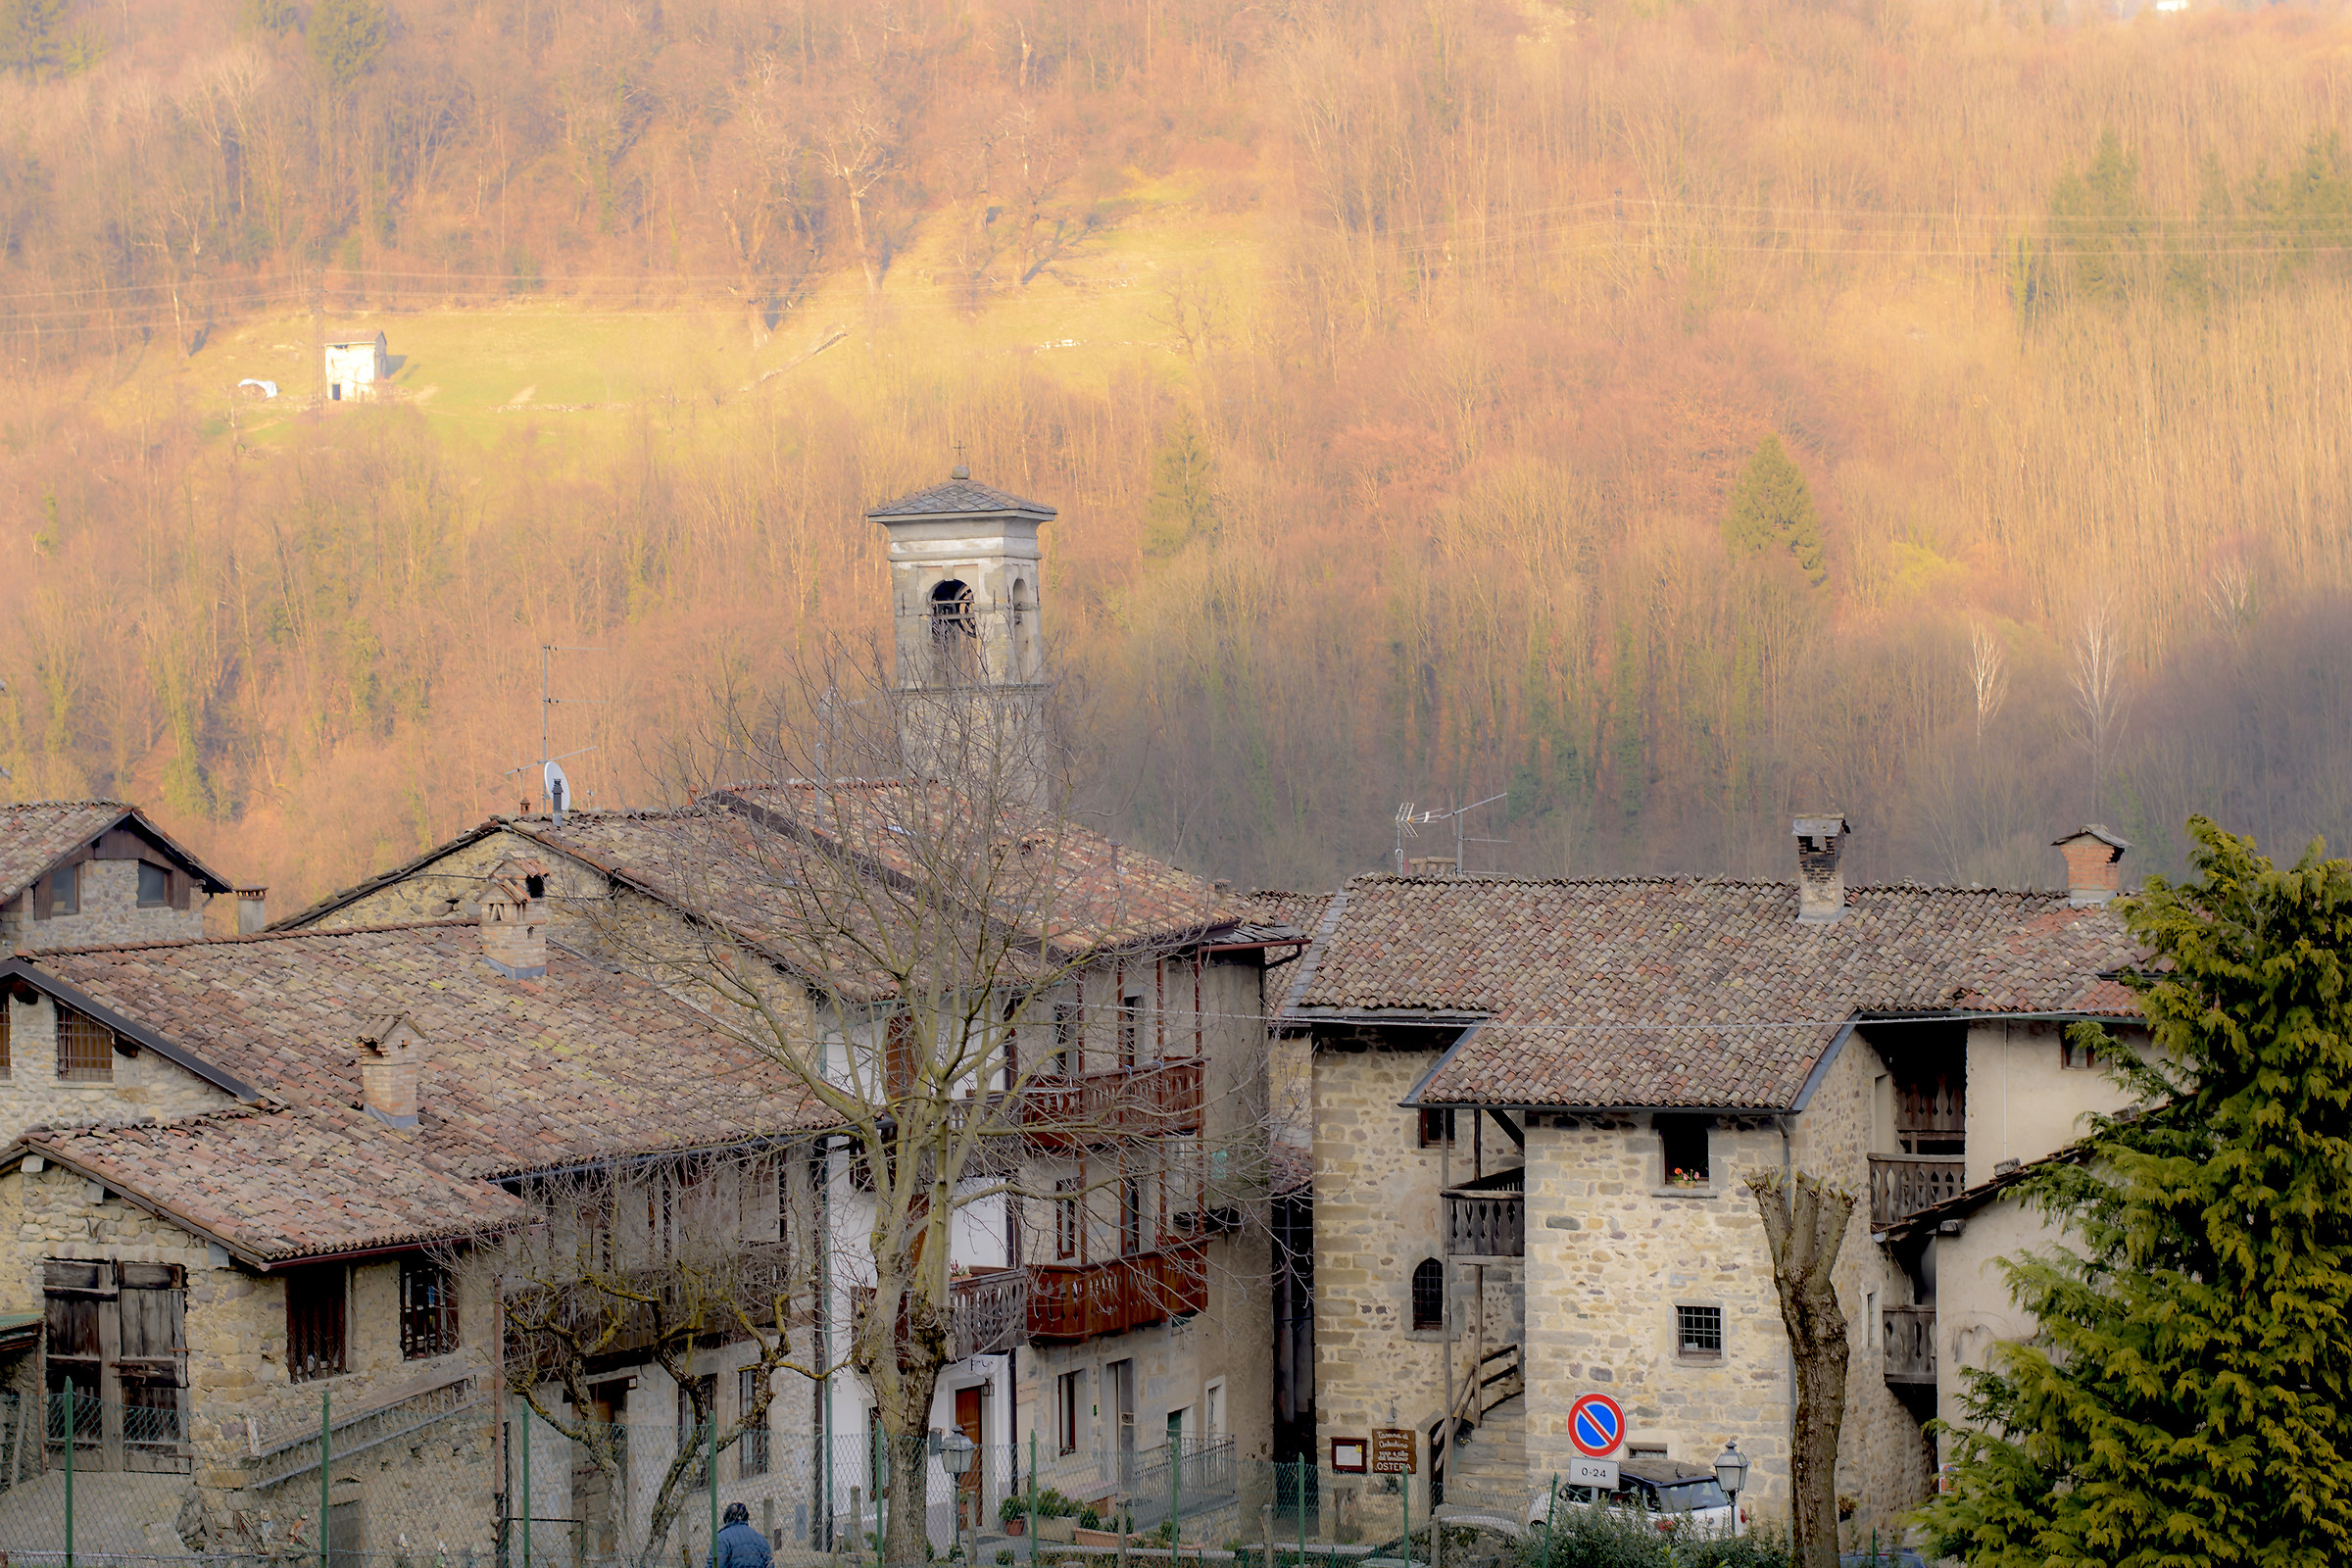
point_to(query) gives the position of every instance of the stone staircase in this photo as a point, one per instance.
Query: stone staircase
(1487, 1473)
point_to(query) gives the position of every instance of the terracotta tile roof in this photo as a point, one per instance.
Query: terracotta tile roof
(1270, 913)
(959, 497)
(277, 1184)
(520, 1074)
(1639, 992)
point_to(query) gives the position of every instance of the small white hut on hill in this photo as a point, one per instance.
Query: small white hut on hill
(355, 362)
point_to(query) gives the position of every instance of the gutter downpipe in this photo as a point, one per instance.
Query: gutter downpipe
(823, 1167)
(1786, 1177)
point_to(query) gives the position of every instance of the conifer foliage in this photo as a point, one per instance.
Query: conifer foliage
(2189, 1402)
(1771, 506)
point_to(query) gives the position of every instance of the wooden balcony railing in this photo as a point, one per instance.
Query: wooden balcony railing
(1487, 1218)
(1901, 1185)
(1077, 1301)
(1161, 1096)
(987, 1312)
(1910, 1335)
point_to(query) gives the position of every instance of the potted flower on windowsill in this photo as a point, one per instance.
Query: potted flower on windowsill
(1687, 1178)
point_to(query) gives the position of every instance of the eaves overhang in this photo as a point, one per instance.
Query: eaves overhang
(19, 968)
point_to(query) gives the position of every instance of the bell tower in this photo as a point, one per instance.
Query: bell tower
(964, 588)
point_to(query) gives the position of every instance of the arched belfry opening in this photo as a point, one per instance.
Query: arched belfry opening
(963, 574)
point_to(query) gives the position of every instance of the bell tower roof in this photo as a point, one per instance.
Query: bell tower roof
(959, 497)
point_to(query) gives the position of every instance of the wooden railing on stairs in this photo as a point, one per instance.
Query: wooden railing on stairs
(1498, 1376)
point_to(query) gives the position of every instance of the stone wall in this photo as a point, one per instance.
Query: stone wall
(143, 1084)
(110, 914)
(434, 1485)
(1378, 1215)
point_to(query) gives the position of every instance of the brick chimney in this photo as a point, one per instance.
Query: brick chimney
(1820, 877)
(514, 918)
(253, 910)
(391, 1056)
(2095, 869)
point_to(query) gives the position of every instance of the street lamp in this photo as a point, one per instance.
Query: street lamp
(1731, 1474)
(955, 1457)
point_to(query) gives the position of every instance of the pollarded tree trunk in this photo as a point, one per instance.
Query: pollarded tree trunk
(1805, 1223)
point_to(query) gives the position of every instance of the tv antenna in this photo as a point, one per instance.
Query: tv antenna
(1409, 822)
(552, 779)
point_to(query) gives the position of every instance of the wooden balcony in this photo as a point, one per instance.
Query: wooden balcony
(1901, 1185)
(1910, 1340)
(1487, 1218)
(987, 1312)
(1160, 1097)
(1077, 1301)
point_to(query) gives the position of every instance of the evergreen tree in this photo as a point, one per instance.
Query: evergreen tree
(1183, 503)
(2189, 1399)
(1771, 506)
(2095, 216)
(346, 36)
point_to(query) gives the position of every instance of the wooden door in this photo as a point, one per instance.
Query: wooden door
(152, 1368)
(78, 1299)
(599, 1501)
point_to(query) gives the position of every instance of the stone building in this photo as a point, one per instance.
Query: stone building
(1535, 1104)
(255, 1224)
(1124, 1328)
(355, 362)
(73, 873)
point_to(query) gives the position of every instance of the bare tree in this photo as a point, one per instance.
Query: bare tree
(890, 890)
(1988, 676)
(659, 1263)
(1805, 1224)
(2096, 674)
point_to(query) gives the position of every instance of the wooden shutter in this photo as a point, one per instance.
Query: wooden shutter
(153, 1366)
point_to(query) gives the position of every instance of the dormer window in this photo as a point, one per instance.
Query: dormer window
(155, 886)
(64, 890)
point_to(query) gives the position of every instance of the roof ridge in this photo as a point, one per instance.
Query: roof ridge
(1685, 879)
(95, 799)
(247, 938)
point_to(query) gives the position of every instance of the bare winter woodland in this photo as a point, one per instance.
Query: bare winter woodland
(1450, 329)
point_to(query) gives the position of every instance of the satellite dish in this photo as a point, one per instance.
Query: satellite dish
(559, 790)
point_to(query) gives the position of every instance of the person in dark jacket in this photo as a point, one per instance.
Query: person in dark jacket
(739, 1546)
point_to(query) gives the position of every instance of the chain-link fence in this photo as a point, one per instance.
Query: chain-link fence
(458, 1477)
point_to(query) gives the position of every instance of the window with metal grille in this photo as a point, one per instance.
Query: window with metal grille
(85, 1048)
(1429, 1294)
(750, 1450)
(155, 886)
(315, 1322)
(1699, 1331)
(428, 1309)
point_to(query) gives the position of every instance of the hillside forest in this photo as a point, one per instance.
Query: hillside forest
(1668, 414)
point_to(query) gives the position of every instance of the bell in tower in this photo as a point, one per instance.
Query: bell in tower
(970, 648)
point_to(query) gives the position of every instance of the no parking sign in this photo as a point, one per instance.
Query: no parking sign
(1595, 1424)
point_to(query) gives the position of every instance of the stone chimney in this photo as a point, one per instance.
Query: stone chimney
(253, 910)
(514, 919)
(2095, 869)
(391, 1057)
(1820, 875)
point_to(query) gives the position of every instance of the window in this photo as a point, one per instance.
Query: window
(85, 1048)
(1065, 1217)
(1131, 1216)
(1130, 1009)
(64, 890)
(1682, 1148)
(155, 886)
(2073, 1055)
(1069, 1041)
(428, 1309)
(8, 1012)
(1437, 1127)
(1429, 1294)
(315, 1322)
(750, 1450)
(1698, 1333)
(897, 1055)
(1065, 1411)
